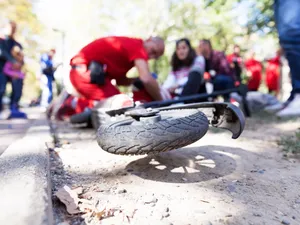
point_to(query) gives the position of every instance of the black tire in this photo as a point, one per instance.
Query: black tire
(99, 117)
(176, 129)
(84, 117)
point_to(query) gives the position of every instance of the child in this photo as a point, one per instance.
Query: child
(13, 70)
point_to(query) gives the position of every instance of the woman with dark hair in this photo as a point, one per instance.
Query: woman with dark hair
(187, 70)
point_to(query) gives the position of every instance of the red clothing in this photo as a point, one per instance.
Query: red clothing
(81, 82)
(234, 58)
(117, 53)
(273, 73)
(142, 96)
(255, 67)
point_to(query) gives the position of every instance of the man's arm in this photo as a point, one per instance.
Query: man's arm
(149, 82)
(125, 81)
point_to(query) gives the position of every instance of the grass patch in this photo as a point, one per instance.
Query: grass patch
(290, 144)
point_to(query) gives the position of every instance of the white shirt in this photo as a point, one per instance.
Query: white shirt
(180, 77)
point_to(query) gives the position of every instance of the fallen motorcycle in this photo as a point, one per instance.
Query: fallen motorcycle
(160, 126)
(148, 129)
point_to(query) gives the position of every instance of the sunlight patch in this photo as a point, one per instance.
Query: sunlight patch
(199, 157)
(207, 162)
(153, 162)
(184, 170)
(161, 167)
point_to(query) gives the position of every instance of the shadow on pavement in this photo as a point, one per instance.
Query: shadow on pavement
(187, 165)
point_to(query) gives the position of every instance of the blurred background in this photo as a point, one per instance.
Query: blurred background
(68, 25)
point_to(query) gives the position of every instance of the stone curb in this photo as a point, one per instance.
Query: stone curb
(25, 186)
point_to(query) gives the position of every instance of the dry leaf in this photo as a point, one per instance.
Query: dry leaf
(204, 201)
(100, 214)
(129, 214)
(78, 190)
(69, 198)
(86, 207)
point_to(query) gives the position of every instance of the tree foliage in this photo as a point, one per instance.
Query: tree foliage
(260, 13)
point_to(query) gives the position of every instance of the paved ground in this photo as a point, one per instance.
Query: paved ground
(24, 171)
(215, 181)
(12, 130)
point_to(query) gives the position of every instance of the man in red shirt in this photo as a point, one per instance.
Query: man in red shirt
(254, 69)
(273, 73)
(109, 58)
(235, 60)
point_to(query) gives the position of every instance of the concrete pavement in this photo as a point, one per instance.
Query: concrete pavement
(24, 171)
(11, 130)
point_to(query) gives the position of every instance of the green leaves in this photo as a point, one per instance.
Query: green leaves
(290, 144)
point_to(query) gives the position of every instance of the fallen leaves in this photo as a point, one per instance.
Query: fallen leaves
(69, 198)
(75, 205)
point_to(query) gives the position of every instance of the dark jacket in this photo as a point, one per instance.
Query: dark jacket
(219, 63)
(6, 44)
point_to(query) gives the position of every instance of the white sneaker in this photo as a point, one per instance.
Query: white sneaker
(274, 108)
(292, 109)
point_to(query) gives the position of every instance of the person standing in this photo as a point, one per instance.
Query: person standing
(254, 72)
(287, 19)
(7, 43)
(236, 62)
(273, 73)
(47, 77)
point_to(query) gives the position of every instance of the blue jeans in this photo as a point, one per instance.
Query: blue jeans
(47, 90)
(17, 86)
(223, 82)
(3, 82)
(287, 16)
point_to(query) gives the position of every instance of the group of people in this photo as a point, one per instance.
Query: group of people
(192, 71)
(12, 71)
(100, 66)
(253, 69)
(110, 58)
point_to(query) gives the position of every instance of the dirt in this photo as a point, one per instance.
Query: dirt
(216, 180)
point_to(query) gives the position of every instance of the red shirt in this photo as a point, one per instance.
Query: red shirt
(255, 67)
(235, 57)
(117, 53)
(273, 73)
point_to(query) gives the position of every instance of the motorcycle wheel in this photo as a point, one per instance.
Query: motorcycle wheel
(174, 129)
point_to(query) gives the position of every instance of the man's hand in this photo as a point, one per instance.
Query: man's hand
(149, 82)
(173, 89)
